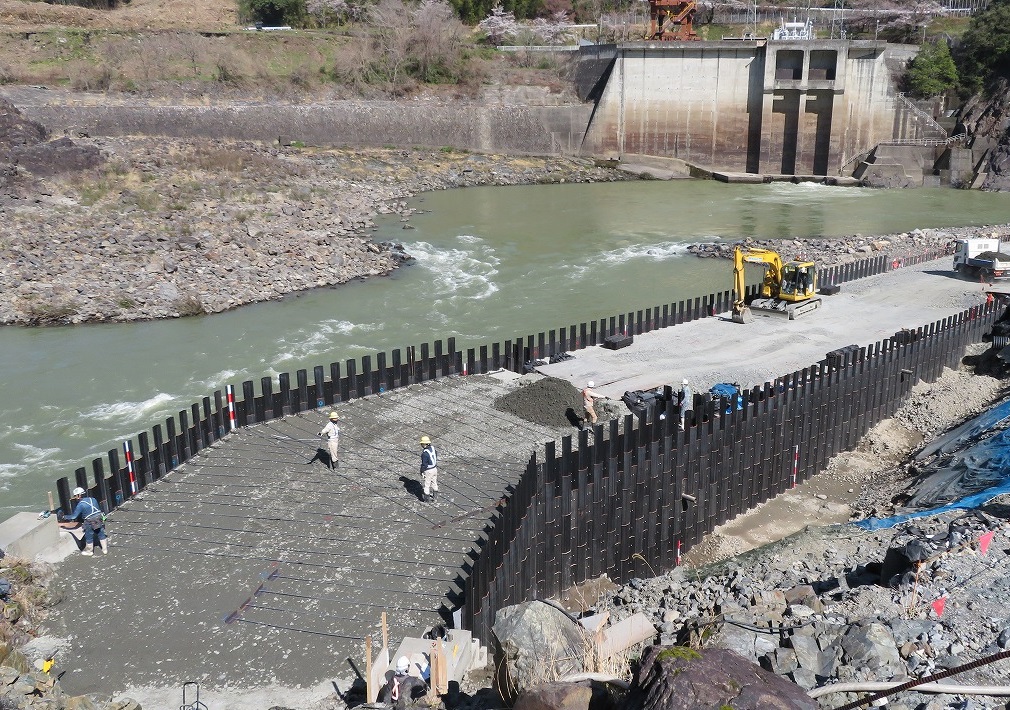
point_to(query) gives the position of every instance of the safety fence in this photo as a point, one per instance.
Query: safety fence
(630, 501)
(138, 463)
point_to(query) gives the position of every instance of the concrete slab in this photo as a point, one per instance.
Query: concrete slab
(27, 535)
(254, 566)
(716, 349)
(742, 178)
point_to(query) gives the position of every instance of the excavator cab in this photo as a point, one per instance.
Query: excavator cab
(799, 281)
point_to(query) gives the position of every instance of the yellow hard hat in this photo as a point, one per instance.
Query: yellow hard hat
(334, 415)
(425, 440)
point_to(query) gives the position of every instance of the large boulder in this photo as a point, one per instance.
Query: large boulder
(583, 695)
(680, 678)
(536, 643)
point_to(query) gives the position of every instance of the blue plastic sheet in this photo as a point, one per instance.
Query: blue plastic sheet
(972, 468)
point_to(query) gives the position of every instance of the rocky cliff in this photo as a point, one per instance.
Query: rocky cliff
(986, 120)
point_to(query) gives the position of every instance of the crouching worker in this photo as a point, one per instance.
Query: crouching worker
(402, 688)
(92, 519)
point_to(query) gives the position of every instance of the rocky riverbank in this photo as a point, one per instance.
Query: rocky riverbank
(829, 252)
(840, 604)
(121, 229)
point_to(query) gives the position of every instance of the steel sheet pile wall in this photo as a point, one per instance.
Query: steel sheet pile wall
(205, 422)
(634, 500)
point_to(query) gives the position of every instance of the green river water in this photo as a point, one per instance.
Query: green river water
(492, 263)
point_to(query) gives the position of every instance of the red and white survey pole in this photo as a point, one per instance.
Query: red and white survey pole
(796, 463)
(128, 455)
(229, 391)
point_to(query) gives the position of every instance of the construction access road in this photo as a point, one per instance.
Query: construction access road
(716, 349)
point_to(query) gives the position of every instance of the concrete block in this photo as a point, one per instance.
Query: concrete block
(27, 535)
(462, 653)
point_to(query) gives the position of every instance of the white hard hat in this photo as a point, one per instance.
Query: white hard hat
(590, 384)
(402, 664)
(684, 381)
(79, 491)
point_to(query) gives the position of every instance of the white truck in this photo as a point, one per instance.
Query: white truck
(981, 258)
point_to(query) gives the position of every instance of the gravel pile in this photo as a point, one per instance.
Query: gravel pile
(548, 401)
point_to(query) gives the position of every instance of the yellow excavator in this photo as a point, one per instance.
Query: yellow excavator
(788, 289)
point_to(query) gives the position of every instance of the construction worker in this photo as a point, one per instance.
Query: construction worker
(686, 403)
(402, 688)
(331, 434)
(92, 518)
(588, 397)
(429, 469)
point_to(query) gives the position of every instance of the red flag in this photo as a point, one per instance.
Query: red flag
(985, 540)
(938, 605)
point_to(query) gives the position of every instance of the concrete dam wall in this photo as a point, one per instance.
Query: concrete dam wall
(786, 107)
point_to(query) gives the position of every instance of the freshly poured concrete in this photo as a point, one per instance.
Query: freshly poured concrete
(254, 565)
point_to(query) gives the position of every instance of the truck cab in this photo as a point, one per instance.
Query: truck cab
(981, 257)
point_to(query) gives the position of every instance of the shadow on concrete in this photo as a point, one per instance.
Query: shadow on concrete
(322, 456)
(413, 487)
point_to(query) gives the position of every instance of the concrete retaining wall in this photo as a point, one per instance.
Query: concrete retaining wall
(539, 130)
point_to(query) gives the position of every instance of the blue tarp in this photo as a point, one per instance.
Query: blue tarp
(972, 468)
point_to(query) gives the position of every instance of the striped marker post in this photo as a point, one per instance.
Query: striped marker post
(128, 455)
(796, 463)
(677, 563)
(230, 393)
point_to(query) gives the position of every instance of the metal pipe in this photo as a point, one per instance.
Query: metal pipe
(951, 688)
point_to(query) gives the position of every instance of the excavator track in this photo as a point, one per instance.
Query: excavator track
(778, 307)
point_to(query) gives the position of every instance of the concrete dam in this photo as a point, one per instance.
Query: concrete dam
(800, 107)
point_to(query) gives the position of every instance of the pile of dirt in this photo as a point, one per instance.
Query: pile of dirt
(549, 401)
(553, 402)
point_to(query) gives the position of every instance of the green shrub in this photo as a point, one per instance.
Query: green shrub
(932, 72)
(984, 54)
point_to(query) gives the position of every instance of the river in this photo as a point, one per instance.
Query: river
(492, 263)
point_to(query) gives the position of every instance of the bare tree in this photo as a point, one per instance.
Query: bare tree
(437, 38)
(391, 36)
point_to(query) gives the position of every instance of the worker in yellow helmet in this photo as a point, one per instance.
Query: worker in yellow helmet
(429, 469)
(331, 435)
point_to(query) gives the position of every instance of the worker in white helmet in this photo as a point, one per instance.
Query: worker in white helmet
(92, 518)
(402, 687)
(429, 469)
(588, 399)
(331, 435)
(686, 398)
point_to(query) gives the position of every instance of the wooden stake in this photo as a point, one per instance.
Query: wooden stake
(439, 670)
(369, 689)
(385, 632)
(51, 506)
